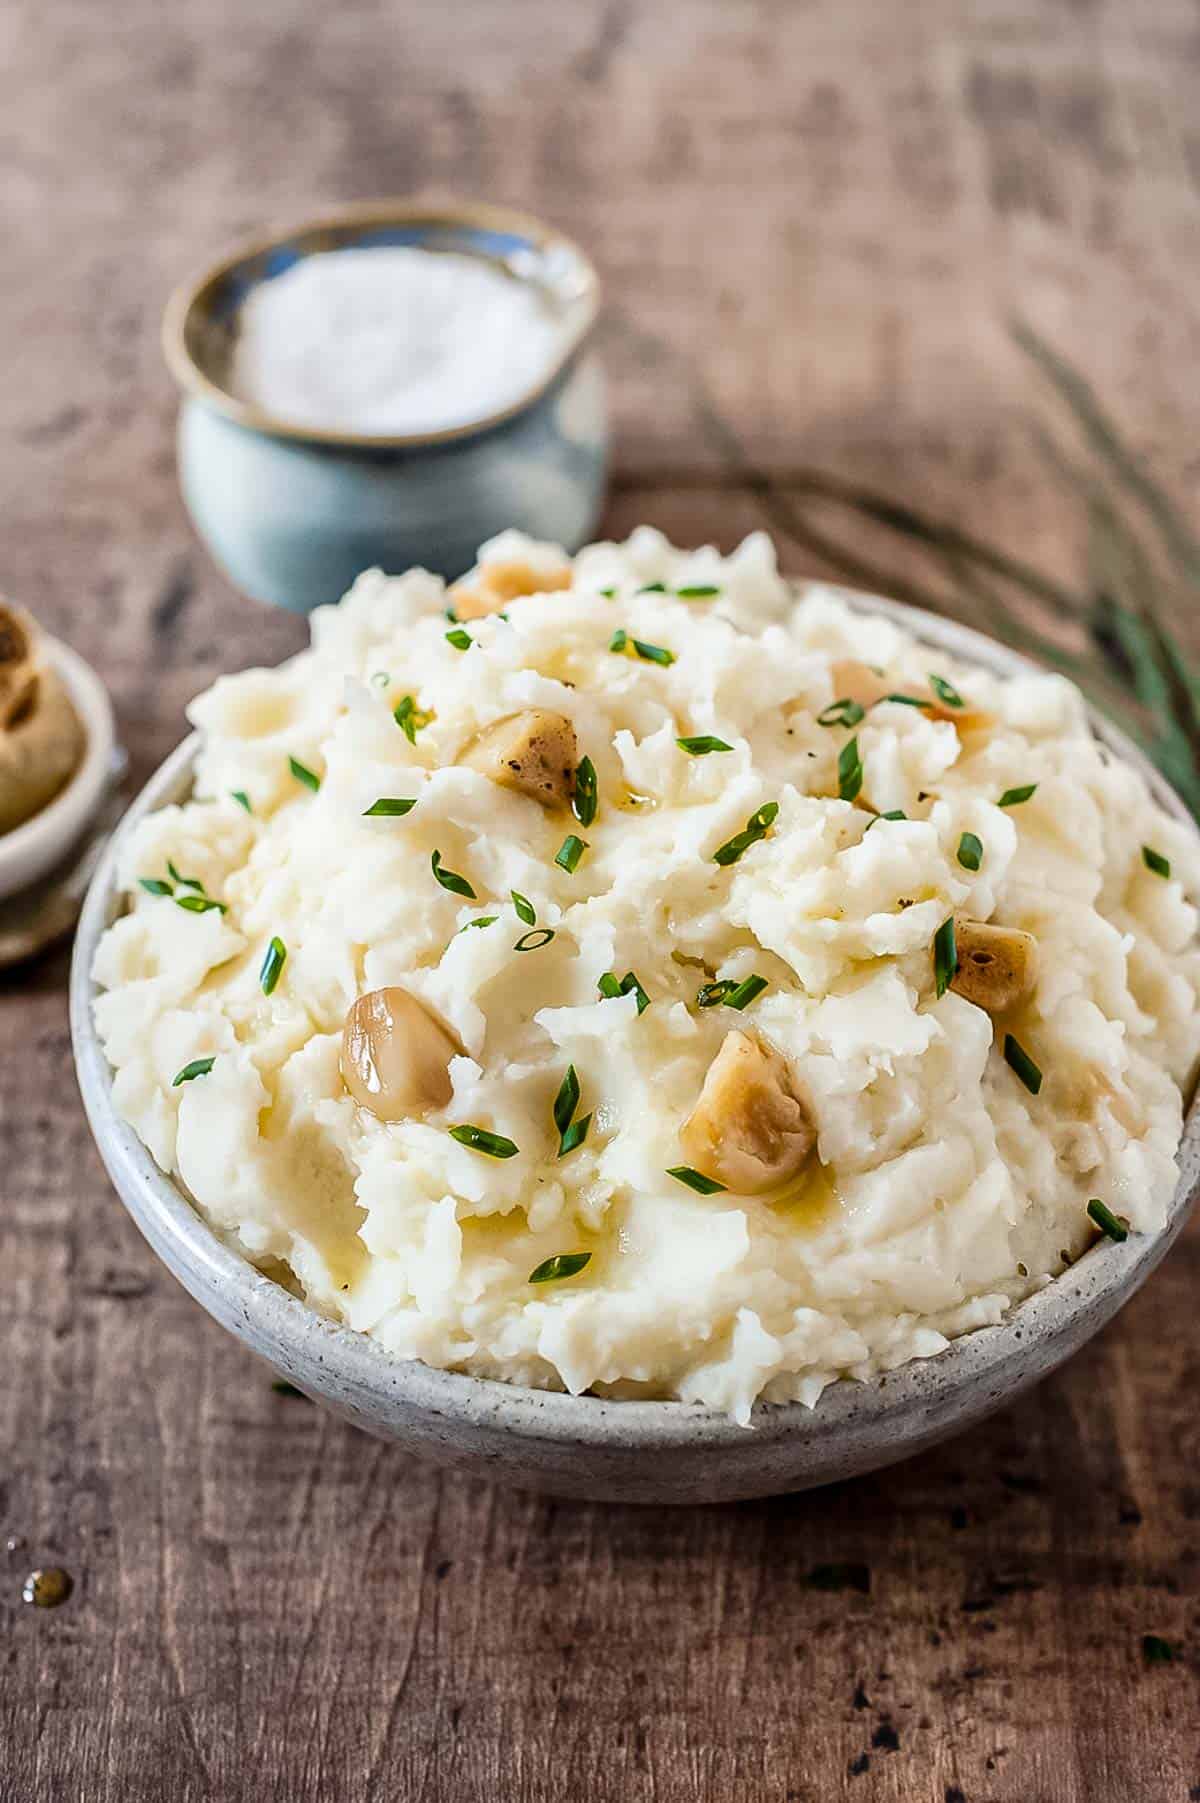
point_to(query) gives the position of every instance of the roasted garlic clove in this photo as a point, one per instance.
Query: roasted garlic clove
(997, 966)
(395, 1056)
(18, 667)
(494, 585)
(749, 1130)
(534, 752)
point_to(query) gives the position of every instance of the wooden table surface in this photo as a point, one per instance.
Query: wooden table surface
(814, 223)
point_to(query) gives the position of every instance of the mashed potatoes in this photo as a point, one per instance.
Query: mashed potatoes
(673, 975)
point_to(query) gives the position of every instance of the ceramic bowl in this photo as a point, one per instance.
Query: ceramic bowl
(660, 1452)
(38, 844)
(292, 514)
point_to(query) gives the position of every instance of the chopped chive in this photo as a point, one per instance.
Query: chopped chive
(608, 593)
(304, 775)
(850, 771)
(841, 713)
(569, 852)
(583, 800)
(481, 920)
(611, 989)
(480, 1140)
(184, 882)
(1012, 798)
(945, 956)
(698, 591)
(756, 828)
(710, 995)
(904, 700)
(563, 1264)
(461, 640)
(892, 814)
(242, 799)
(700, 746)
(199, 1067)
(1018, 1060)
(1156, 1650)
(745, 992)
(567, 1100)
(391, 807)
(574, 1136)
(272, 965)
(652, 588)
(533, 942)
(703, 1186)
(653, 654)
(199, 904)
(524, 909)
(970, 851)
(410, 718)
(619, 640)
(1115, 1226)
(154, 885)
(450, 879)
(1154, 860)
(945, 691)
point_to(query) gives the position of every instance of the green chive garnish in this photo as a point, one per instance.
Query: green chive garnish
(524, 909)
(905, 701)
(742, 994)
(480, 1140)
(610, 989)
(619, 640)
(462, 641)
(1018, 1060)
(154, 885)
(450, 879)
(199, 1067)
(1154, 860)
(1156, 1650)
(756, 828)
(1012, 798)
(563, 1264)
(608, 593)
(272, 965)
(199, 904)
(304, 775)
(703, 1186)
(946, 691)
(184, 882)
(653, 654)
(850, 771)
(242, 799)
(451, 614)
(945, 956)
(970, 851)
(698, 591)
(390, 807)
(652, 588)
(533, 942)
(583, 801)
(700, 746)
(841, 713)
(567, 1099)
(481, 920)
(569, 852)
(409, 718)
(1115, 1226)
(710, 995)
(892, 814)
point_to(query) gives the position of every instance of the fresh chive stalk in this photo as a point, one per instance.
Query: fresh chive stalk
(533, 942)
(743, 993)
(242, 799)
(460, 639)
(702, 745)
(450, 879)
(272, 965)
(524, 908)
(945, 691)
(1115, 1226)
(1012, 798)
(563, 1264)
(1154, 860)
(945, 956)
(970, 851)
(611, 989)
(493, 1145)
(1018, 1060)
(703, 1186)
(304, 775)
(584, 798)
(389, 807)
(570, 852)
(842, 713)
(850, 771)
(756, 828)
(199, 904)
(199, 1067)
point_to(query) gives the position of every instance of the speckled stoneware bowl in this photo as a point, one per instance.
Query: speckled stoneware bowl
(653, 1452)
(292, 513)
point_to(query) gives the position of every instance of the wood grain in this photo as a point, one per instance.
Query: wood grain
(813, 223)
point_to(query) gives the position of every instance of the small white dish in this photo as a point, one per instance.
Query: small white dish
(34, 847)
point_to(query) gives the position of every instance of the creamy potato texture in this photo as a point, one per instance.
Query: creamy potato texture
(940, 1189)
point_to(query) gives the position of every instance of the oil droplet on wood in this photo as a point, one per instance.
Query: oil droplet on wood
(47, 1589)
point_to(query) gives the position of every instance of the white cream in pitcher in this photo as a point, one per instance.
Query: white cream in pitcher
(391, 340)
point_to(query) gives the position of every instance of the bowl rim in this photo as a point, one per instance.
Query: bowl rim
(195, 290)
(37, 844)
(999, 1360)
